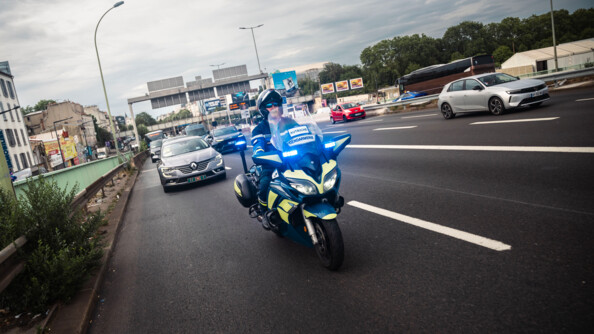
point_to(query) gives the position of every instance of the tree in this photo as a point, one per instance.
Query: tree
(142, 130)
(502, 54)
(42, 104)
(308, 86)
(145, 118)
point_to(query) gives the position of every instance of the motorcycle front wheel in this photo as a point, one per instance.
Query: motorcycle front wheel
(330, 248)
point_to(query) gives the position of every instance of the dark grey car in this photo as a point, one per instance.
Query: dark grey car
(156, 149)
(225, 138)
(187, 160)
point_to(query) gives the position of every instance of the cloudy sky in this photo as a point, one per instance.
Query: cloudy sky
(50, 45)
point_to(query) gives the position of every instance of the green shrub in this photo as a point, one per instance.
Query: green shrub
(61, 251)
(12, 220)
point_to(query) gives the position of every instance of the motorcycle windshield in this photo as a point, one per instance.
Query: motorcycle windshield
(295, 132)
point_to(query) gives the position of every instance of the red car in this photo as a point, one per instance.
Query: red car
(346, 112)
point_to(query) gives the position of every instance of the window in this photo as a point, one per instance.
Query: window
(456, 86)
(16, 159)
(24, 160)
(2, 109)
(24, 139)
(11, 117)
(10, 91)
(471, 84)
(18, 112)
(29, 156)
(16, 134)
(10, 137)
(3, 85)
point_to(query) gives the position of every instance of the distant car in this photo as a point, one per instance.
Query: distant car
(225, 138)
(493, 92)
(196, 130)
(347, 112)
(156, 149)
(189, 159)
(323, 111)
(409, 95)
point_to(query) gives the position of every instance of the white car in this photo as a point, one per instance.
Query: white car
(493, 92)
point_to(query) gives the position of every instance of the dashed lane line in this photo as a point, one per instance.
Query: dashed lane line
(420, 116)
(517, 120)
(396, 128)
(545, 149)
(581, 100)
(461, 235)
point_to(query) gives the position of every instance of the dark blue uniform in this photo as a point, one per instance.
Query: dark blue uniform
(261, 143)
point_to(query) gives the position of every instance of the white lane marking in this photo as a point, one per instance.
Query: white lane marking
(548, 149)
(580, 100)
(148, 170)
(334, 132)
(464, 236)
(371, 121)
(227, 168)
(420, 116)
(517, 120)
(397, 128)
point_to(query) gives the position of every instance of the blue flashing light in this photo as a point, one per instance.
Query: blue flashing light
(240, 143)
(289, 153)
(329, 145)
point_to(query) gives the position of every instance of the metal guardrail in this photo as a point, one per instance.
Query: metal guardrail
(558, 76)
(11, 266)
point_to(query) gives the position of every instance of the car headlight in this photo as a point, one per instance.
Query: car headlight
(330, 180)
(513, 91)
(304, 187)
(166, 171)
(218, 160)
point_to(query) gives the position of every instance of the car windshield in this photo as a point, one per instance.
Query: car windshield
(183, 146)
(195, 131)
(496, 79)
(349, 105)
(156, 143)
(225, 131)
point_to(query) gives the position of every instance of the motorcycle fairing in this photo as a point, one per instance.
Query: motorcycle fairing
(300, 175)
(271, 158)
(340, 143)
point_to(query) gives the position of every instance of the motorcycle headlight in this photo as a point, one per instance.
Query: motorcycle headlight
(330, 180)
(304, 187)
(167, 172)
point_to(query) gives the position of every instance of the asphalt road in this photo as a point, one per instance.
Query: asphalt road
(438, 238)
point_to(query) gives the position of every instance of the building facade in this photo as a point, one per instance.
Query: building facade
(13, 131)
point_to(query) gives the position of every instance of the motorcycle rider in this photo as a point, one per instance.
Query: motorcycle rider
(269, 105)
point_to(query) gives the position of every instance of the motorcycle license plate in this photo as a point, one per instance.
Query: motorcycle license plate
(196, 178)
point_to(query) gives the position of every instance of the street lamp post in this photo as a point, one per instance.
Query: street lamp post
(554, 42)
(113, 132)
(218, 65)
(254, 38)
(58, 139)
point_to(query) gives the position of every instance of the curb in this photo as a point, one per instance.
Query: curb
(75, 316)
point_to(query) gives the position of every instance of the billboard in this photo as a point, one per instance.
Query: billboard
(341, 86)
(327, 88)
(286, 83)
(211, 105)
(356, 83)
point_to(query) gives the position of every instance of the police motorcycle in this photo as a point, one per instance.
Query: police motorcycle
(303, 198)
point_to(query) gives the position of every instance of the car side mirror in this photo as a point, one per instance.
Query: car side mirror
(479, 88)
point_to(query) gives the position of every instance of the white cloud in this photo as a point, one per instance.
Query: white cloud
(49, 44)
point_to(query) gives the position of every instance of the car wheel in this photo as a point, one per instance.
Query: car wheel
(496, 106)
(363, 117)
(223, 176)
(165, 189)
(446, 111)
(344, 119)
(332, 119)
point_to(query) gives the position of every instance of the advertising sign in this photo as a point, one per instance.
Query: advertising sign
(240, 97)
(211, 105)
(286, 83)
(53, 150)
(327, 88)
(356, 83)
(341, 86)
